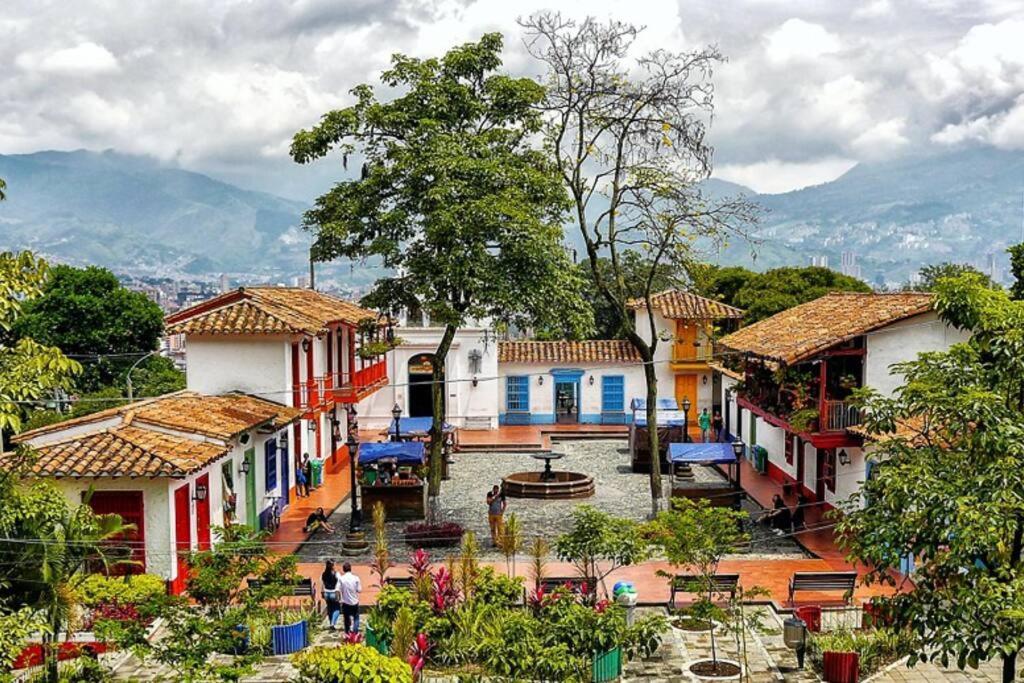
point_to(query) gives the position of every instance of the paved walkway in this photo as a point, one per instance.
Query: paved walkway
(334, 490)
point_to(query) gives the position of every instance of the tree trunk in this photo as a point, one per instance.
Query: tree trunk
(651, 378)
(1010, 661)
(437, 395)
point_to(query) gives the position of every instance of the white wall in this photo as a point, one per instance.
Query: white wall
(902, 341)
(542, 397)
(462, 401)
(255, 365)
(849, 478)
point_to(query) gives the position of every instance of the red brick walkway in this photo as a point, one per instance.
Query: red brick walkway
(329, 495)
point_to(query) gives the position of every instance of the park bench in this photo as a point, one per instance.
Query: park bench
(302, 588)
(400, 582)
(823, 581)
(579, 585)
(685, 583)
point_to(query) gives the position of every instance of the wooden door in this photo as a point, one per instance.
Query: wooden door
(686, 341)
(182, 535)
(801, 466)
(686, 388)
(285, 478)
(129, 506)
(250, 490)
(819, 469)
(203, 514)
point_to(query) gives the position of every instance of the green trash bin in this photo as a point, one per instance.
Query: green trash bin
(316, 468)
(760, 459)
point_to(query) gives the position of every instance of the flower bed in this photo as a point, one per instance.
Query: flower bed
(33, 654)
(425, 535)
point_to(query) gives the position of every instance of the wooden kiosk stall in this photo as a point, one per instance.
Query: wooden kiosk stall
(388, 475)
(418, 429)
(670, 429)
(706, 470)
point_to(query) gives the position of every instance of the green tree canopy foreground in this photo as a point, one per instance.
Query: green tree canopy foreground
(87, 311)
(933, 273)
(949, 489)
(762, 295)
(453, 197)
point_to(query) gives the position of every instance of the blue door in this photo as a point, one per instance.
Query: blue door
(284, 460)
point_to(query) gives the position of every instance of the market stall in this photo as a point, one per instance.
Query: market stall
(670, 423)
(389, 473)
(706, 470)
(418, 429)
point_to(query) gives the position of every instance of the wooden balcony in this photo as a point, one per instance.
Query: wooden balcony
(688, 354)
(839, 415)
(324, 392)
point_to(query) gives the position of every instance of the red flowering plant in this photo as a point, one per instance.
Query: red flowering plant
(445, 593)
(419, 565)
(417, 659)
(353, 638)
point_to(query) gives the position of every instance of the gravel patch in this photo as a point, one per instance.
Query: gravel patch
(619, 491)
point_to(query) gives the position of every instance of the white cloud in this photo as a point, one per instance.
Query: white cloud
(773, 176)
(873, 9)
(797, 40)
(1004, 130)
(881, 139)
(84, 58)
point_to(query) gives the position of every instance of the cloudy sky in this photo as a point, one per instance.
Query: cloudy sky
(811, 86)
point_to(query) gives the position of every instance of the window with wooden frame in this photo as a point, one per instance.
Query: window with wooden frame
(828, 469)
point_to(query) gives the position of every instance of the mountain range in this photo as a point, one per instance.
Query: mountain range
(137, 216)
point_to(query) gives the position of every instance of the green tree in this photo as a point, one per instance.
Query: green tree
(776, 290)
(3, 186)
(627, 133)
(86, 311)
(725, 282)
(931, 274)
(452, 198)
(948, 485)
(1016, 253)
(697, 535)
(599, 543)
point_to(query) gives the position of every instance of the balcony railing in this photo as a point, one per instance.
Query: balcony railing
(340, 387)
(690, 352)
(839, 415)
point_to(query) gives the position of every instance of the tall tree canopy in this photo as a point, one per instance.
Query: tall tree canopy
(931, 274)
(627, 133)
(1016, 253)
(87, 311)
(453, 198)
(949, 489)
(763, 295)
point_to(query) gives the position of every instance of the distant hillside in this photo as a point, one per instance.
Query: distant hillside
(897, 216)
(132, 214)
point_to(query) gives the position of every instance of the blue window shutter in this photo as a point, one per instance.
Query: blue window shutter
(517, 394)
(270, 463)
(613, 394)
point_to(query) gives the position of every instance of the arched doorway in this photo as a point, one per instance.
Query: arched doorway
(421, 368)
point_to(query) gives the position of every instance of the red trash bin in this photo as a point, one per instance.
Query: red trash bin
(840, 667)
(811, 614)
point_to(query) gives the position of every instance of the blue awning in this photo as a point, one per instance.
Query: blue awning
(404, 452)
(663, 404)
(666, 418)
(702, 453)
(416, 426)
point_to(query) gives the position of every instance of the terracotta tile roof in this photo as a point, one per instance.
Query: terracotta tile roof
(728, 372)
(808, 329)
(124, 451)
(267, 310)
(678, 304)
(594, 351)
(913, 429)
(221, 417)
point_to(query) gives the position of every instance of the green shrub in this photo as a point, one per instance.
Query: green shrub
(493, 588)
(875, 648)
(350, 664)
(390, 600)
(136, 589)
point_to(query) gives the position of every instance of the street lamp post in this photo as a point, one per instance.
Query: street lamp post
(355, 522)
(686, 420)
(128, 376)
(396, 413)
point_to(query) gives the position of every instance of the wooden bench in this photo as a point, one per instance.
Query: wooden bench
(550, 583)
(823, 581)
(302, 588)
(684, 583)
(400, 582)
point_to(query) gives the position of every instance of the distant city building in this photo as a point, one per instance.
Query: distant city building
(300, 281)
(848, 264)
(821, 261)
(225, 283)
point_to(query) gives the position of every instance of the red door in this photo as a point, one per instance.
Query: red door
(129, 505)
(801, 465)
(203, 514)
(182, 536)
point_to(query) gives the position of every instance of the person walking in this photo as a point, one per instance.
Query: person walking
(704, 422)
(307, 471)
(495, 513)
(717, 426)
(301, 483)
(351, 587)
(331, 581)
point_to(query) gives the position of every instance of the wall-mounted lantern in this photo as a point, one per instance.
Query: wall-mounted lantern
(201, 493)
(540, 380)
(591, 380)
(305, 344)
(244, 466)
(844, 457)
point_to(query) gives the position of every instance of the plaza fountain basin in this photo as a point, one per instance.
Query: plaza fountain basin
(558, 485)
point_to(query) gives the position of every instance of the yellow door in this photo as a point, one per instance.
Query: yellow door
(686, 387)
(686, 341)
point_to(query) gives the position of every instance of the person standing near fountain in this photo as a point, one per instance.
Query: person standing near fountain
(495, 513)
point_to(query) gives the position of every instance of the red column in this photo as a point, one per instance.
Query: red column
(822, 407)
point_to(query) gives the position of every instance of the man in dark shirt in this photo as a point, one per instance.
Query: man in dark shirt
(318, 520)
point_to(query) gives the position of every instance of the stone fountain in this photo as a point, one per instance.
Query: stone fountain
(548, 483)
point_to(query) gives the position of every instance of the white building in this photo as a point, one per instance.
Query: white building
(798, 369)
(173, 467)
